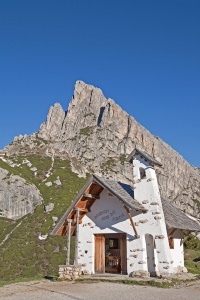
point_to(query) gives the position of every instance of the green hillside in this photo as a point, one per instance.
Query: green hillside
(23, 254)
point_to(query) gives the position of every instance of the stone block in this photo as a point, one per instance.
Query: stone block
(75, 274)
(143, 221)
(61, 276)
(145, 201)
(86, 272)
(67, 277)
(74, 277)
(140, 273)
(150, 179)
(184, 270)
(61, 269)
(134, 255)
(137, 236)
(76, 269)
(159, 237)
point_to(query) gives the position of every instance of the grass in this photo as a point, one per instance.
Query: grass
(190, 255)
(85, 131)
(122, 158)
(197, 203)
(108, 165)
(21, 279)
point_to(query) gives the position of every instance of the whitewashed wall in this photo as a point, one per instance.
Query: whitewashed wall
(178, 252)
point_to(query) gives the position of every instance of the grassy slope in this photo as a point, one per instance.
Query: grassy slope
(192, 251)
(23, 254)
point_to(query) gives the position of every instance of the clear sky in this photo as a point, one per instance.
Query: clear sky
(144, 54)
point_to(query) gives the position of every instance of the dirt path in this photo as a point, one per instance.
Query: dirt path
(9, 234)
(96, 291)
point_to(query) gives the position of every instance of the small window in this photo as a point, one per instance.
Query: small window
(113, 243)
(142, 173)
(171, 242)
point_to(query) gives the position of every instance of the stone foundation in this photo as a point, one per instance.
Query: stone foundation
(69, 272)
(140, 273)
(179, 270)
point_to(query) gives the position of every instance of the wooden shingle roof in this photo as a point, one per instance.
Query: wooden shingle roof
(175, 218)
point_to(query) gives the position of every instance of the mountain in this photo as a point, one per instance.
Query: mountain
(41, 174)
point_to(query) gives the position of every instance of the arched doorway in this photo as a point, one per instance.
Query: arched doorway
(150, 254)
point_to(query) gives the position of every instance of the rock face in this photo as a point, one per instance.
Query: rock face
(17, 197)
(98, 134)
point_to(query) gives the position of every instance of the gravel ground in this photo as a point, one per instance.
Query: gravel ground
(102, 290)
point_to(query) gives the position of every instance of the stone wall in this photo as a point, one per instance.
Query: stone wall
(69, 272)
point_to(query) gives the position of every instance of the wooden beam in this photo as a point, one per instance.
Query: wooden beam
(129, 215)
(76, 237)
(185, 238)
(91, 196)
(171, 239)
(85, 210)
(171, 233)
(68, 242)
(74, 220)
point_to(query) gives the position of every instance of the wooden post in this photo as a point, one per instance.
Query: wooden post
(68, 242)
(77, 236)
(171, 239)
(129, 215)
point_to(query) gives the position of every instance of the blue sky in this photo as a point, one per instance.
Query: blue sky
(144, 54)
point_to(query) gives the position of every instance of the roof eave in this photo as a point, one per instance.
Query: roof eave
(151, 161)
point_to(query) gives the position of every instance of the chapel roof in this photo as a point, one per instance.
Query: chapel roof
(145, 155)
(175, 218)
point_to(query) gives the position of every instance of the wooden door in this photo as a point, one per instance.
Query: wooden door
(99, 253)
(123, 253)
